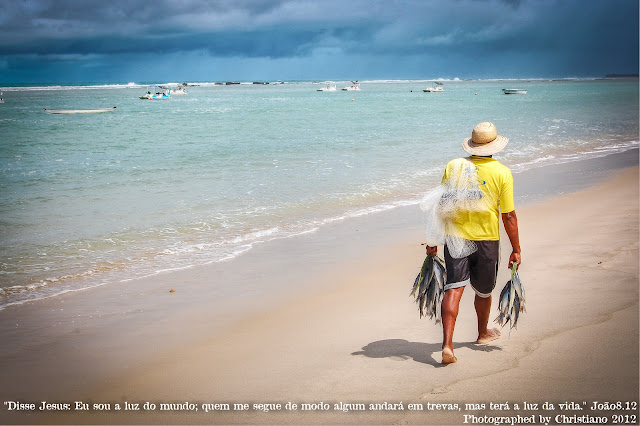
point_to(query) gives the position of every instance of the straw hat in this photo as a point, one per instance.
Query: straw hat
(484, 140)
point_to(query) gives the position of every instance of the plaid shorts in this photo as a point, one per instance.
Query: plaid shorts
(480, 268)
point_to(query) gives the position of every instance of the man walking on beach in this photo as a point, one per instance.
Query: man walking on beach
(478, 228)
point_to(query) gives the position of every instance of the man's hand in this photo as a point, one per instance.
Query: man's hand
(514, 258)
(432, 250)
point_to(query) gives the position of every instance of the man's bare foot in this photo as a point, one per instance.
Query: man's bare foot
(489, 336)
(448, 357)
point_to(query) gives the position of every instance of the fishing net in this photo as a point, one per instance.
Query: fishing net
(450, 203)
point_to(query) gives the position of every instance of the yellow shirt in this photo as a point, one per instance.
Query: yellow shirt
(496, 182)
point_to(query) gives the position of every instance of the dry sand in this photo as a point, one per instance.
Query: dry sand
(353, 336)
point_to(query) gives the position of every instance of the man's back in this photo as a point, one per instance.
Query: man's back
(496, 182)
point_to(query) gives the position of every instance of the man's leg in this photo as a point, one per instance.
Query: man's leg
(484, 271)
(483, 310)
(450, 306)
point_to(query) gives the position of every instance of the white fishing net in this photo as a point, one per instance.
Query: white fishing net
(459, 194)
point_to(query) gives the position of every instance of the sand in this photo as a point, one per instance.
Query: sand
(350, 335)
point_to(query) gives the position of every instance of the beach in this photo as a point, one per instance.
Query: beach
(219, 212)
(339, 340)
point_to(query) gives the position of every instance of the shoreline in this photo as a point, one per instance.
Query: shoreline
(574, 175)
(143, 343)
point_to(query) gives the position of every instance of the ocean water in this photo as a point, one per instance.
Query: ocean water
(93, 199)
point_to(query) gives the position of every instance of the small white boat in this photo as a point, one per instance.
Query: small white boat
(1, 98)
(156, 93)
(354, 86)
(176, 89)
(514, 91)
(329, 86)
(78, 111)
(436, 88)
(179, 91)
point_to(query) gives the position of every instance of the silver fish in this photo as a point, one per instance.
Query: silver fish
(519, 290)
(511, 301)
(420, 277)
(428, 287)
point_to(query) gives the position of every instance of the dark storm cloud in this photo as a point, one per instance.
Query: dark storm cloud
(244, 28)
(565, 37)
(280, 28)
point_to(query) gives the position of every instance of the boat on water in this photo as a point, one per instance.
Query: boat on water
(78, 111)
(176, 89)
(514, 91)
(436, 88)
(156, 93)
(329, 86)
(355, 85)
(179, 91)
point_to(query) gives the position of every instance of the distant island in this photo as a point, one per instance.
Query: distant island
(621, 76)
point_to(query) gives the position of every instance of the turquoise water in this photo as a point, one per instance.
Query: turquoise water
(91, 199)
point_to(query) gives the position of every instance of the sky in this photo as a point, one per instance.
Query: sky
(287, 40)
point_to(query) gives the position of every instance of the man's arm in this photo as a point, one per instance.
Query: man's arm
(510, 221)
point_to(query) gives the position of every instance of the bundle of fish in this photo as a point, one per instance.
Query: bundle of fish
(428, 287)
(511, 301)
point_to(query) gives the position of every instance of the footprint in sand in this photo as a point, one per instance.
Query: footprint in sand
(437, 391)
